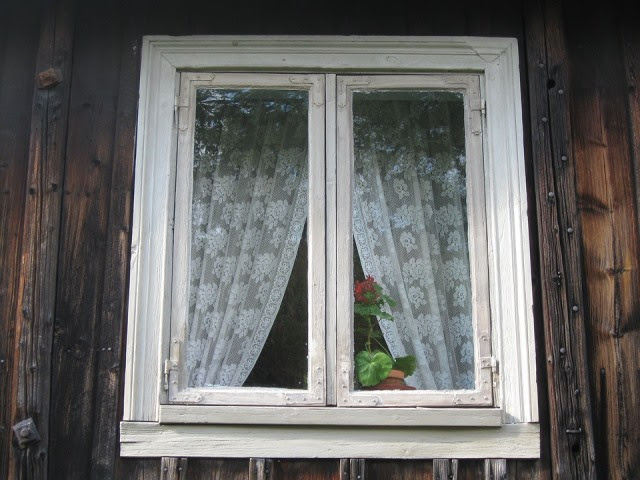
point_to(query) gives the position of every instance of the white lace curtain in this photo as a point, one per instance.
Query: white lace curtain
(409, 220)
(249, 210)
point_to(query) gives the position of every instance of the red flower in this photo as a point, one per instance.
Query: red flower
(366, 292)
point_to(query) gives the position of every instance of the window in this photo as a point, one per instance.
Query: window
(271, 175)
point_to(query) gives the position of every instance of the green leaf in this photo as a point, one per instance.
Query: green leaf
(406, 364)
(372, 367)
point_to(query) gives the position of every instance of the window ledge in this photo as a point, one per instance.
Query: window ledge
(148, 439)
(331, 416)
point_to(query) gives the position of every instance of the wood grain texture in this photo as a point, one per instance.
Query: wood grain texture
(560, 253)
(31, 382)
(399, 470)
(284, 469)
(603, 106)
(110, 340)
(80, 288)
(445, 469)
(19, 31)
(173, 468)
(218, 469)
(495, 469)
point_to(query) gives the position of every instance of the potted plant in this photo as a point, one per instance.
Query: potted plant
(375, 367)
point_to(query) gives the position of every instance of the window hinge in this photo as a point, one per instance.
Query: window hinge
(177, 104)
(489, 362)
(492, 363)
(479, 106)
(169, 366)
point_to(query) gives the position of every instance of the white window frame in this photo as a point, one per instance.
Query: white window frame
(178, 390)
(152, 428)
(469, 85)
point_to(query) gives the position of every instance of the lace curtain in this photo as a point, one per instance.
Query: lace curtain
(409, 221)
(249, 209)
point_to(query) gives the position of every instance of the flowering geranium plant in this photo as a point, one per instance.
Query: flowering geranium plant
(374, 363)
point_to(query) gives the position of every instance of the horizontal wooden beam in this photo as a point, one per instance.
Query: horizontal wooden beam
(399, 417)
(148, 439)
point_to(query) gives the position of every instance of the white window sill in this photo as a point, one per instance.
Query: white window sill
(331, 416)
(149, 439)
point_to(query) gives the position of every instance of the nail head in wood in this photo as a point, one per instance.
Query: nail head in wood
(48, 78)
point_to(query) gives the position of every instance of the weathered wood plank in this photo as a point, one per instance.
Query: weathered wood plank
(139, 469)
(445, 469)
(495, 469)
(34, 311)
(218, 469)
(173, 468)
(83, 247)
(607, 193)
(114, 305)
(19, 30)
(399, 469)
(560, 254)
(306, 470)
(146, 439)
(260, 468)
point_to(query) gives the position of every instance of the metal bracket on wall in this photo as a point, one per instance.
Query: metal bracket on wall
(26, 432)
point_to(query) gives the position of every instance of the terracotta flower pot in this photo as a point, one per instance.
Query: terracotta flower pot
(394, 381)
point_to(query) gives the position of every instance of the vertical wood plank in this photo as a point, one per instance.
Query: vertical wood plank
(399, 469)
(19, 29)
(139, 469)
(495, 469)
(80, 288)
(445, 469)
(173, 468)
(260, 469)
(560, 252)
(217, 469)
(116, 271)
(306, 469)
(607, 192)
(34, 312)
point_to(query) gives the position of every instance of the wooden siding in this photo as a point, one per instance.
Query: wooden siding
(66, 169)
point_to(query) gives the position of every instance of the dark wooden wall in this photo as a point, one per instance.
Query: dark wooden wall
(66, 169)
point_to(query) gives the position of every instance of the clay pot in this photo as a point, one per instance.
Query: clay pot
(394, 381)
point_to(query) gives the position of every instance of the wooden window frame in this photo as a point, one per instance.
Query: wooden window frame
(151, 427)
(178, 390)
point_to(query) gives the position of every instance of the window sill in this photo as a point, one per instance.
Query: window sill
(331, 416)
(149, 439)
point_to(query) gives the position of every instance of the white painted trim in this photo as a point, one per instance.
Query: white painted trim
(469, 86)
(155, 440)
(399, 417)
(509, 263)
(179, 390)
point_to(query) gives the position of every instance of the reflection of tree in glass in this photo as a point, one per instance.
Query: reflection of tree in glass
(231, 119)
(421, 130)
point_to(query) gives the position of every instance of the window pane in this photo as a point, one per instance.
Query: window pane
(249, 208)
(410, 228)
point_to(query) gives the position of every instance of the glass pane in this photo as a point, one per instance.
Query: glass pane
(410, 230)
(249, 209)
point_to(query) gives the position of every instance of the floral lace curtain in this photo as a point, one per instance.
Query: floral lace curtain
(249, 209)
(409, 221)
